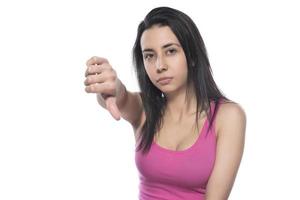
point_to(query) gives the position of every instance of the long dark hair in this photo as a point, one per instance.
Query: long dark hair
(199, 72)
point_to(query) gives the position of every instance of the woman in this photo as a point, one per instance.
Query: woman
(189, 136)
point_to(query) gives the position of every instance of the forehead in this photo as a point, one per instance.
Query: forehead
(156, 37)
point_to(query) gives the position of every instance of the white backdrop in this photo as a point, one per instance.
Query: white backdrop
(56, 142)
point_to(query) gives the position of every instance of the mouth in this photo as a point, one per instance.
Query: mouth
(164, 80)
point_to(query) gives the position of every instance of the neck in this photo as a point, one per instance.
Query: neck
(179, 106)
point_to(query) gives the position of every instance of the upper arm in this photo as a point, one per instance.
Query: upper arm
(230, 146)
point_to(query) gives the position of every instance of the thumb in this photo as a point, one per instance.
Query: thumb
(113, 108)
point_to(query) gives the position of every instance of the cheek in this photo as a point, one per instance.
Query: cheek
(184, 66)
(183, 63)
(182, 71)
(180, 62)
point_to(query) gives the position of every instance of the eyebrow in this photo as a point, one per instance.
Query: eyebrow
(163, 47)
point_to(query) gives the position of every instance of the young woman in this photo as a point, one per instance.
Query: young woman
(189, 136)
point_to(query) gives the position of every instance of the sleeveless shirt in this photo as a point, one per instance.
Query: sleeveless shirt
(166, 174)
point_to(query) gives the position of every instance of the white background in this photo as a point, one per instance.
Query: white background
(56, 142)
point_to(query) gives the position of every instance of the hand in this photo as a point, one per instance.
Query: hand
(101, 78)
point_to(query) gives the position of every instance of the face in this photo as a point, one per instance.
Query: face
(163, 56)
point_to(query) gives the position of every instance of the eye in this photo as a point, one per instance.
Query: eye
(148, 56)
(171, 51)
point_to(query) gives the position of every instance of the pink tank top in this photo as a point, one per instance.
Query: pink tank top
(176, 175)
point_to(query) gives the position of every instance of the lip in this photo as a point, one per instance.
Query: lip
(164, 80)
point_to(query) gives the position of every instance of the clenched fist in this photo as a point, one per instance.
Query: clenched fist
(102, 79)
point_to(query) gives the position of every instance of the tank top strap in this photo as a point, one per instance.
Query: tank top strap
(212, 112)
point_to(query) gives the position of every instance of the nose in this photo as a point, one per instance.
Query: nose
(160, 64)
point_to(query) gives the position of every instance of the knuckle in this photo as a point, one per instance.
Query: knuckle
(94, 58)
(91, 60)
(86, 82)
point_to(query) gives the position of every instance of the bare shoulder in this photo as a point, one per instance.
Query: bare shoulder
(230, 115)
(231, 119)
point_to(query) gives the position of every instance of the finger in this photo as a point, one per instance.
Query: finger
(112, 107)
(105, 88)
(97, 78)
(96, 60)
(94, 69)
(90, 71)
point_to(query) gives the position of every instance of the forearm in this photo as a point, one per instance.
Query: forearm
(121, 96)
(129, 104)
